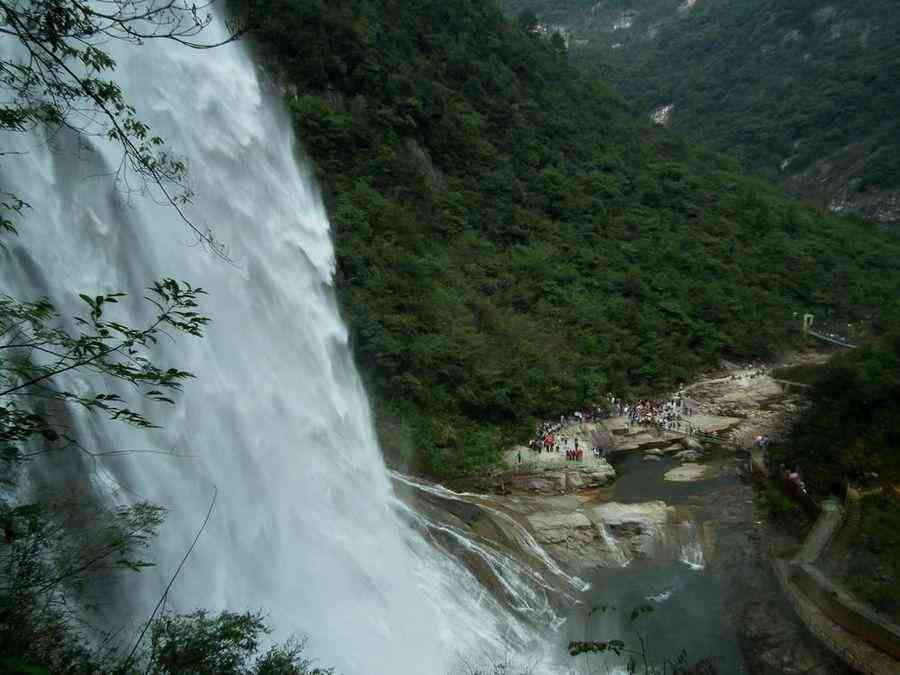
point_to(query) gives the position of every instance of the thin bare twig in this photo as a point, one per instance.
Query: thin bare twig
(165, 594)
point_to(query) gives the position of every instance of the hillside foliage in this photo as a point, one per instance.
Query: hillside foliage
(781, 84)
(850, 434)
(512, 242)
(851, 431)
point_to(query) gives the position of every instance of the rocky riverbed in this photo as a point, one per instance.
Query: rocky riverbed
(661, 519)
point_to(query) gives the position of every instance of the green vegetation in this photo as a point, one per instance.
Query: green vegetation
(511, 242)
(60, 556)
(851, 430)
(634, 650)
(767, 80)
(850, 433)
(772, 498)
(874, 564)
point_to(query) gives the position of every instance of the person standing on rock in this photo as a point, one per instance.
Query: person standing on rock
(520, 456)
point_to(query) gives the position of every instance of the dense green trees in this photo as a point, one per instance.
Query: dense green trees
(850, 434)
(511, 241)
(851, 431)
(781, 84)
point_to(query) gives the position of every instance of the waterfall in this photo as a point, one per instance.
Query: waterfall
(527, 543)
(617, 554)
(690, 549)
(306, 526)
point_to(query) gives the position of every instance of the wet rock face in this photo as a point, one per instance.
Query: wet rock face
(575, 481)
(604, 536)
(548, 478)
(563, 481)
(644, 515)
(557, 528)
(638, 527)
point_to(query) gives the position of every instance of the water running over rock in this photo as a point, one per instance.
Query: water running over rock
(306, 525)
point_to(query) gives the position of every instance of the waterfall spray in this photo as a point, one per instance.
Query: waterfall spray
(305, 525)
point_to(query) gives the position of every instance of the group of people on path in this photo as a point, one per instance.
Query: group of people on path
(669, 415)
(556, 443)
(664, 414)
(749, 372)
(550, 440)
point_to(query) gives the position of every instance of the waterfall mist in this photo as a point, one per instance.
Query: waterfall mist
(305, 527)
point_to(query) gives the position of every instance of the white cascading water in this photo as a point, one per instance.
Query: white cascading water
(690, 550)
(305, 526)
(618, 555)
(526, 542)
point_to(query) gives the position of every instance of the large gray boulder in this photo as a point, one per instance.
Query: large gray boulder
(643, 515)
(689, 471)
(599, 473)
(688, 455)
(552, 527)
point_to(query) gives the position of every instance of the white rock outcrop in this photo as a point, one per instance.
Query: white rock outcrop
(689, 472)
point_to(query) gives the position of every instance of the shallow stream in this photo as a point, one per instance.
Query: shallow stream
(689, 597)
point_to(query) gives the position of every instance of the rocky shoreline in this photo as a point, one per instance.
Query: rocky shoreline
(662, 498)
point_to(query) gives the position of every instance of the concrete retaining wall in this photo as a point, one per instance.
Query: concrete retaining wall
(848, 613)
(827, 524)
(830, 599)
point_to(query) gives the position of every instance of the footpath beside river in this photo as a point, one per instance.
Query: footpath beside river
(665, 520)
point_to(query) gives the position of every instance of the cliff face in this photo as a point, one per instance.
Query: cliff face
(801, 90)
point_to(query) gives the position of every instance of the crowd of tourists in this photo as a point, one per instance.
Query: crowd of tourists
(662, 414)
(750, 372)
(550, 438)
(673, 414)
(670, 415)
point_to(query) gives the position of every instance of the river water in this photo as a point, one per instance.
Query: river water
(693, 603)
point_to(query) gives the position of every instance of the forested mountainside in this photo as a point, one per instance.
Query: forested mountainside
(807, 91)
(513, 242)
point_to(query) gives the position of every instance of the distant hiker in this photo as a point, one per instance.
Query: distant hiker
(520, 456)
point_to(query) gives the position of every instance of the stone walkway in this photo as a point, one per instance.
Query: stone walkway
(853, 631)
(859, 654)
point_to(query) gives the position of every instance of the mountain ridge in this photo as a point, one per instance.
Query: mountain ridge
(803, 91)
